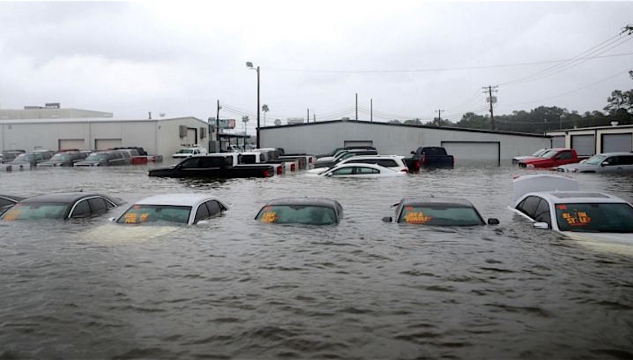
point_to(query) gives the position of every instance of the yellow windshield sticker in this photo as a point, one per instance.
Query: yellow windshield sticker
(579, 218)
(144, 217)
(131, 218)
(270, 217)
(417, 218)
(12, 214)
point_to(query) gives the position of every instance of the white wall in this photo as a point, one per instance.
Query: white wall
(319, 138)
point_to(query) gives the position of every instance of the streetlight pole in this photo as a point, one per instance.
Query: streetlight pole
(250, 65)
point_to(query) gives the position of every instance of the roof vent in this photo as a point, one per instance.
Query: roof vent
(614, 123)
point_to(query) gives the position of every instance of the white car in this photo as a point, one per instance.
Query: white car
(537, 153)
(554, 202)
(186, 152)
(615, 162)
(172, 208)
(394, 162)
(360, 170)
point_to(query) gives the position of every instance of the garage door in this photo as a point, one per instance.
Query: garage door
(473, 153)
(105, 144)
(617, 142)
(583, 144)
(558, 141)
(67, 144)
(191, 136)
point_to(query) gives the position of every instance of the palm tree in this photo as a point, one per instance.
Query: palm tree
(265, 109)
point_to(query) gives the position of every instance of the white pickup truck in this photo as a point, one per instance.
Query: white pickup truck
(186, 152)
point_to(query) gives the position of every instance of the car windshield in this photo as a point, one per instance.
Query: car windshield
(549, 154)
(297, 214)
(539, 152)
(138, 214)
(32, 211)
(440, 215)
(60, 157)
(24, 157)
(595, 217)
(185, 151)
(97, 157)
(595, 160)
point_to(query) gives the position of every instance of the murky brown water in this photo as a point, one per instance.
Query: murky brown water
(238, 289)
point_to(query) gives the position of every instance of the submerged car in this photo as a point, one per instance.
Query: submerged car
(186, 209)
(361, 170)
(6, 201)
(438, 211)
(30, 159)
(105, 158)
(301, 210)
(537, 153)
(186, 152)
(68, 158)
(62, 206)
(615, 162)
(554, 202)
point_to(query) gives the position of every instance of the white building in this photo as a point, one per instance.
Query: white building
(50, 111)
(162, 136)
(468, 146)
(595, 140)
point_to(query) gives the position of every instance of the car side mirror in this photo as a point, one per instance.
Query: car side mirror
(387, 219)
(413, 152)
(493, 221)
(328, 175)
(604, 163)
(112, 219)
(541, 225)
(202, 222)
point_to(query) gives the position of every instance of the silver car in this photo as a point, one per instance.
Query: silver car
(615, 162)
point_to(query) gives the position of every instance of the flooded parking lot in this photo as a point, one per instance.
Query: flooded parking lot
(239, 289)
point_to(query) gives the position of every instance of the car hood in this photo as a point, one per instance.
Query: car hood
(621, 243)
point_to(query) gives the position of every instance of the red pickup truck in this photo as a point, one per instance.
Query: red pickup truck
(552, 158)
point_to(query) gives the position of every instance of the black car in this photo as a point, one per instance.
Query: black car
(63, 206)
(438, 212)
(105, 158)
(301, 210)
(6, 201)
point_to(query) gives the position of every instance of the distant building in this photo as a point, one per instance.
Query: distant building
(50, 111)
(294, 121)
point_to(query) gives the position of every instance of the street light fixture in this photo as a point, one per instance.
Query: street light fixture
(250, 66)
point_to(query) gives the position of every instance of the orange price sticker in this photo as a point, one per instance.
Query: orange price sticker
(270, 217)
(417, 218)
(131, 218)
(12, 214)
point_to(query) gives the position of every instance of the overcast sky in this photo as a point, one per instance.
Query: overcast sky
(407, 58)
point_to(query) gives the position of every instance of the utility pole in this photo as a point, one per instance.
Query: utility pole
(371, 110)
(439, 115)
(217, 127)
(308, 118)
(491, 99)
(356, 107)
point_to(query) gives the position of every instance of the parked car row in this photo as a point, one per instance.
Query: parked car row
(551, 202)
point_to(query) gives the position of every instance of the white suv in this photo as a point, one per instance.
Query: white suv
(186, 152)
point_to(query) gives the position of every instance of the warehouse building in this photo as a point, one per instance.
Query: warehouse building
(595, 140)
(162, 136)
(468, 146)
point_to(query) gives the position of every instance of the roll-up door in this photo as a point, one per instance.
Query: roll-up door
(192, 136)
(105, 144)
(473, 153)
(558, 141)
(68, 144)
(617, 142)
(583, 144)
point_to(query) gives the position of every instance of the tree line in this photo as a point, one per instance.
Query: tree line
(542, 119)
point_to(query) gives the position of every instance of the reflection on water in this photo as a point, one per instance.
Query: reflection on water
(239, 289)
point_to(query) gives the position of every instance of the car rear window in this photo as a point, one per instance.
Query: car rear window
(33, 211)
(595, 217)
(138, 214)
(297, 214)
(440, 215)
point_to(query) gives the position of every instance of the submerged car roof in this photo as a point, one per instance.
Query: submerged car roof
(176, 199)
(315, 201)
(436, 200)
(67, 197)
(571, 197)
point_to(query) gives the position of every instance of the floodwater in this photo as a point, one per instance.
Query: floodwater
(238, 289)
